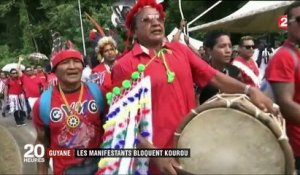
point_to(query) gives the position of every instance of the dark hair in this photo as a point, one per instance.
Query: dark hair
(36, 66)
(290, 7)
(27, 67)
(48, 68)
(244, 38)
(211, 38)
(13, 69)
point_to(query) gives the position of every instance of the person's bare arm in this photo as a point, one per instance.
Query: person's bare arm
(284, 94)
(230, 85)
(42, 138)
(187, 41)
(177, 35)
(20, 73)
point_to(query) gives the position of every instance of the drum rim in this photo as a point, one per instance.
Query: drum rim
(262, 117)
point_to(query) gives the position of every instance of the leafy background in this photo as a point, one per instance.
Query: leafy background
(25, 24)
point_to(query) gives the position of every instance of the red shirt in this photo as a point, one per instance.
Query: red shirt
(52, 80)
(103, 75)
(43, 78)
(32, 85)
(245, 76)
(282, 69)
(14, 86)
(171, 102)
(87, 135)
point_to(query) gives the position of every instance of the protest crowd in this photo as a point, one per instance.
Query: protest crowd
(138, 97)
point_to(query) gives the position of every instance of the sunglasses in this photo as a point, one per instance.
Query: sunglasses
(13, 72)
(295, 19)
(249, 47)
(150, 18)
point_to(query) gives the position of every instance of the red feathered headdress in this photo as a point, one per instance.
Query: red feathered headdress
(136, 9)
(63, 50)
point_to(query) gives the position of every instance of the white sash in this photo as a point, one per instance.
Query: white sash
(247, 71)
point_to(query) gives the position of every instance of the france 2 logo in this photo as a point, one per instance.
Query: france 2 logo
(282, 22)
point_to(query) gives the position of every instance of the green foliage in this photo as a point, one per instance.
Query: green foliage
(25, 25)
(6, 6)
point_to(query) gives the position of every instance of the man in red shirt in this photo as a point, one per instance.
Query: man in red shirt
(245, 62)
(41, 74)
(32, 86)
(173, 73)
(283, 73)
(107, 52)
(74, 118)
(16, 99)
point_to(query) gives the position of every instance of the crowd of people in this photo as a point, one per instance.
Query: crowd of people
(182, 77)
(20, 89)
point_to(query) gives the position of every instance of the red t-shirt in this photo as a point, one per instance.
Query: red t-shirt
(14, 86)
(282, 69)
(87, 135)
(32, 85)
(103, 75)
(52, 80)
(245, 76)
(43, 78)
(171, 102)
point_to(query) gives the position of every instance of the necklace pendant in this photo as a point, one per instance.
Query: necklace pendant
(73, 121)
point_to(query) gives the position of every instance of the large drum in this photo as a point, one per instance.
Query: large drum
(230, 135)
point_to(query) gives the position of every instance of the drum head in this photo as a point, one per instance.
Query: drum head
(228, 141)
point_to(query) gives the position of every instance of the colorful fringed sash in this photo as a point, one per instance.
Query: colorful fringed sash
(130, 113)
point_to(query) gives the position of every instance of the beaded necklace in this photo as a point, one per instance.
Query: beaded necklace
(126, 84)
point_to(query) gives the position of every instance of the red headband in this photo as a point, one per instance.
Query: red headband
(65, 54)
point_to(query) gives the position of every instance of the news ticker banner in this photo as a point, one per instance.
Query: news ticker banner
(36, 153)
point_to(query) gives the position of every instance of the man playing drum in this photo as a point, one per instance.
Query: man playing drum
(173, 69)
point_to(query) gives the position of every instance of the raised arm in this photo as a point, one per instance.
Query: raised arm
(177, 35)
(20, 73)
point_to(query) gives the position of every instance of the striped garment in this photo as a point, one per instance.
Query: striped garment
(16, 102)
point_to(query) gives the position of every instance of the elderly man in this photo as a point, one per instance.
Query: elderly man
(283, 73)
(70, 117)
(173, 73)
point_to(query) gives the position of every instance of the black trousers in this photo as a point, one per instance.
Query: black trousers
(297, 165)
(19, 117)
(28, 106)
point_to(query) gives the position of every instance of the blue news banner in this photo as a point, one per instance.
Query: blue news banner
(132, 153)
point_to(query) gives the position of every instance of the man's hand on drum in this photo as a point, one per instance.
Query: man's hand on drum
(262, 101)
(230, 85)
(167, 165)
